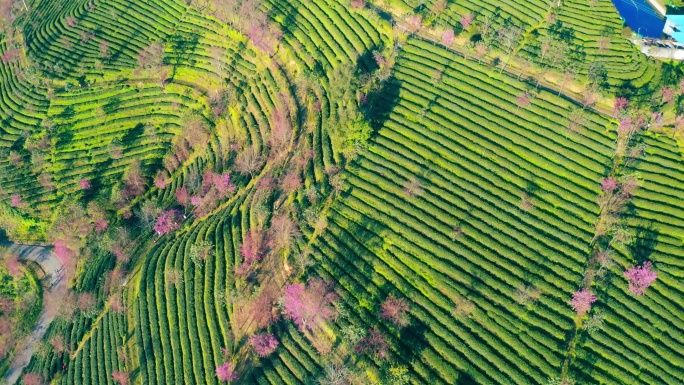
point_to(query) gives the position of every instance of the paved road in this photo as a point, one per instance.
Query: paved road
(56, 286)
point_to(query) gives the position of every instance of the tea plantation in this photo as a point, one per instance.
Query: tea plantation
(344, 192)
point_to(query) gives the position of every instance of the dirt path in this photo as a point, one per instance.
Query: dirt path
(56, 286)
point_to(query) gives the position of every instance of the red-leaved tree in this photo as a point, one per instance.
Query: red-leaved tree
(182, 196)
(640, 278)
(373, 343)
(309, 306)
(394, 310)
(264, 344)
(32, 379)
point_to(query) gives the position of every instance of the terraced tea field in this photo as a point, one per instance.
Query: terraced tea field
(319, 191)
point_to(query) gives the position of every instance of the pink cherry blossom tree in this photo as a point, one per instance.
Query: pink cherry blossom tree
(104, 49)
(58, 343)
(160, 181)
(208, 180)
(223, 184)
(71, 22)
(291, 182)
(415, 23)
(120, 377)
(448, 37)
(667, 94)
(167, 221)
(11, 55)
(620, 105)
(358, 4)
(629, 186)
(264, 344)
(85, 184)
(252, 248)
(283, 232)
(582, 300)
(394, 310)
(640, 278)
(63, 252)
(196, 200)
(309, 306)
(523, 100)
(16, 201)
(182, 196)
(609, 184)
(13, 265)
(226, 372)
(467, 19)
(85, 301)
(101, 224)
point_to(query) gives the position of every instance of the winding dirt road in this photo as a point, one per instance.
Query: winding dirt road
(55, 287)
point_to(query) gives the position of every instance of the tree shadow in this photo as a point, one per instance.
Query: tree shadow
(134, 134)
(531, 187)
(366, 62)
(464, 378)
(583, 366)
(671, 72)
(646, 239)
(67, 113)
(380, 104)
(421, 10)
(64, 136)
(567, 338)
(112, 105)
(118, 53)
(183, 44)
(97, 182)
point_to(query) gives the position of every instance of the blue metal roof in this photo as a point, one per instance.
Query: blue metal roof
(641, 17)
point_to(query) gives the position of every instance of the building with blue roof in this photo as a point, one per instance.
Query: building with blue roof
(675, 27)
(640, 16)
